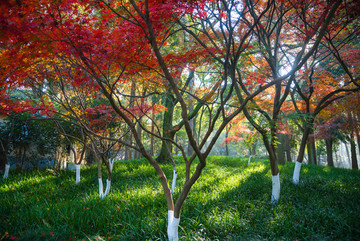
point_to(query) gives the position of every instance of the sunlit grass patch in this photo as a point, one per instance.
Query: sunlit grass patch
(231, 201)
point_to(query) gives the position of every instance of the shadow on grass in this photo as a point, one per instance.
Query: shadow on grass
(231, 201)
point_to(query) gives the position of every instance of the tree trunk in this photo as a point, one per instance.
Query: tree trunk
(309, 152)
(4, 157)
(287, 147)
(226, 143)
(280, 148)
(137, 154)
(166, 147)
(329, 152)
(354, 161)
(303, 143)
(128, 151)
(6, 172)
(152, 141)
(275, 195)
(253, 149)
(358, 140)
(296, 175)
(128, 139)
(173, 226)
(313, 151)
(191, 121)
(78, 166)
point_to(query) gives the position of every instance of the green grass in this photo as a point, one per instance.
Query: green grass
(231, 201)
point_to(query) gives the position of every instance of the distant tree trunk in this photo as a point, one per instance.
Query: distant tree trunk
(287, 148)
(280, 148)
(358, 140)
(354, 161)
(253, 149)
(311, 149)
(166, 147)
(226, 143)
(329, 152)
(128, 139)
(4, 158)
(137, 154)
(347, 151)
(78, 165)
(128, 151)
(152, 142)
(200, 122)
(3, 154)
(176, 140)
(308, 148)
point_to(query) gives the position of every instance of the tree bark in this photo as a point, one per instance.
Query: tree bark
(311, 149)
(152, 141)
(191, 121)
(287, 148)
(226, 143)
(354, 161)
(329, 152)
(166, 147)
(137, 155)
(281, 148)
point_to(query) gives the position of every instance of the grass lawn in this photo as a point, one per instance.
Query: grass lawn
(231, 201)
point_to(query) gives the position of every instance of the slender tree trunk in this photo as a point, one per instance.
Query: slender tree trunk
(287, 148)
(226, 144)
(166, 147)
(152, 142)
(309, 152)
(275, 195)
(253, 149)
(280, 149)
(313, 151)
(347, 152)
(137, 155)
(358, 141)
(127, 149)
(4, 157)
(191, 121)
(354, 161)
(300, 158)
(329, 152)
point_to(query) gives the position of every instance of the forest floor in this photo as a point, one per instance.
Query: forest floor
(230, 201)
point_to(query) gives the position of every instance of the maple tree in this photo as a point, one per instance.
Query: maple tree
(286, 42)
(79, 49)
(244, 136)
(326, 78)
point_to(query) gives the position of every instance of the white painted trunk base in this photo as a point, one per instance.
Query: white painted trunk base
(275, 188)
(101, 188)
(77, 173)
(111, 163)
(173, 184)
(296, 175)
(103, 194)
(173, 226)
(6, 173)
(249, 160)
(108, 186)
